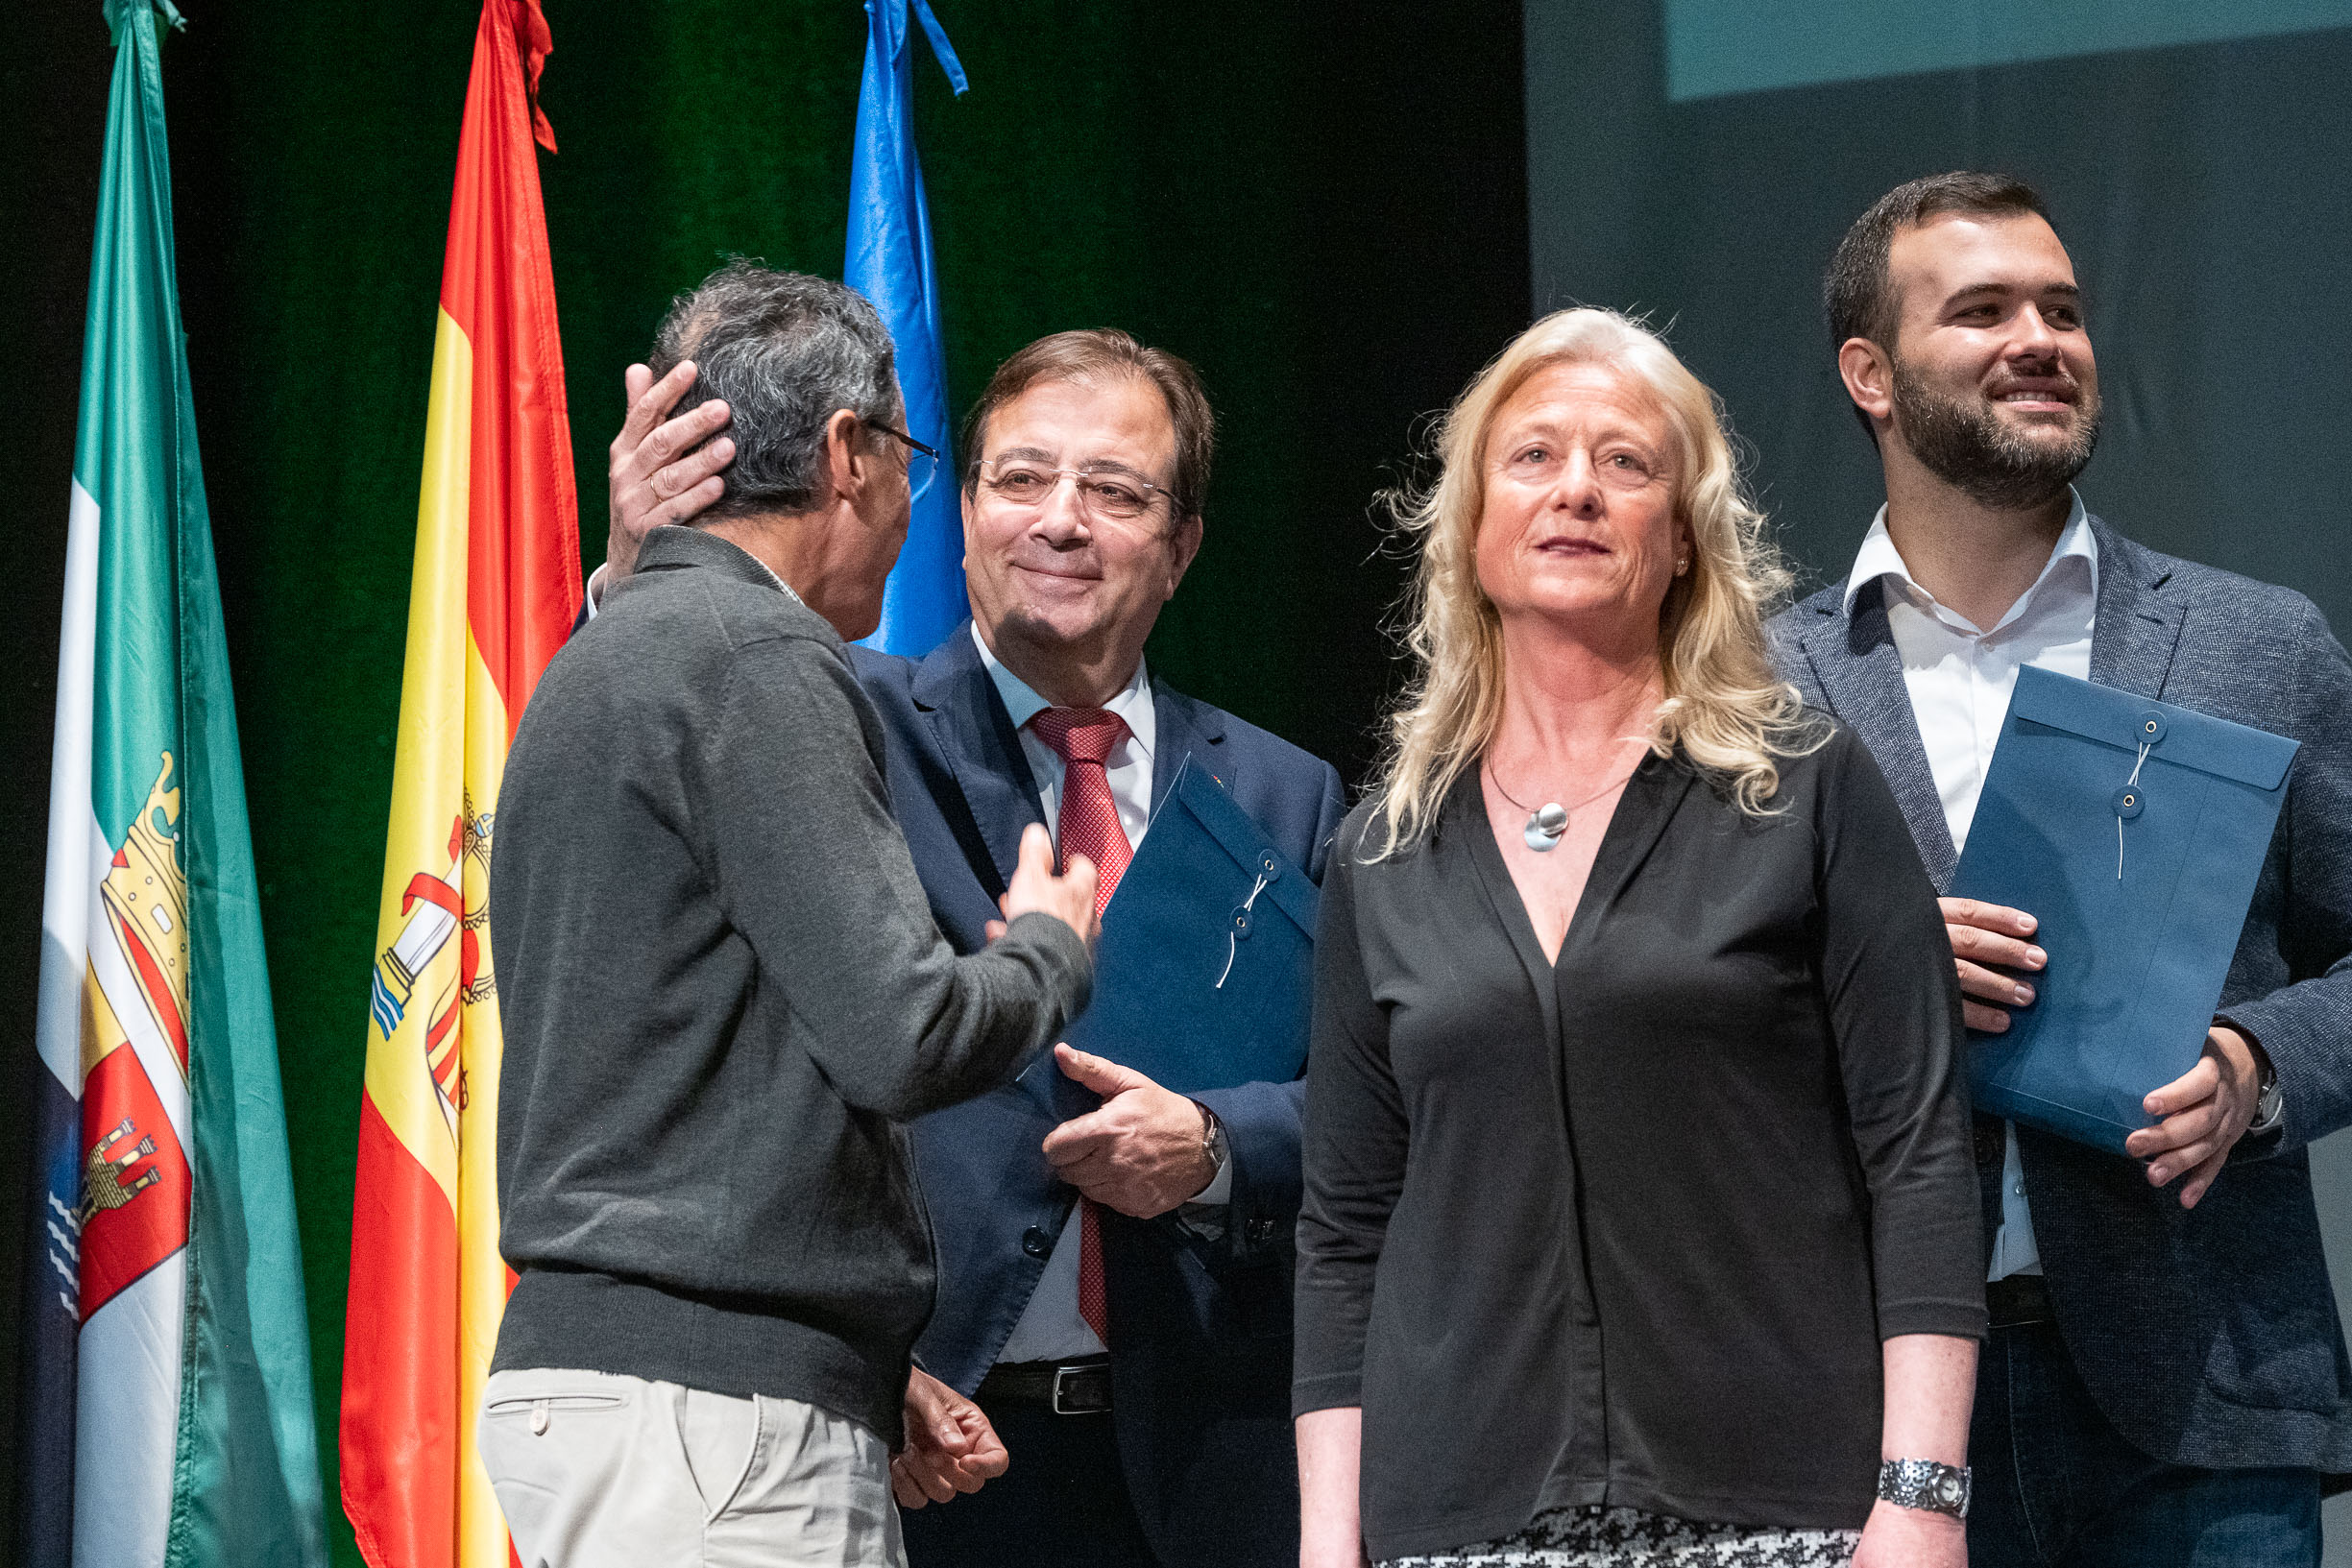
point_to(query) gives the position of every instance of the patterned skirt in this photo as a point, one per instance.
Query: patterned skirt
(1596, 1537)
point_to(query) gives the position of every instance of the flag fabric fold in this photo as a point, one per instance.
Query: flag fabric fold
(493, 593)
(889, 262)
(168, 1402)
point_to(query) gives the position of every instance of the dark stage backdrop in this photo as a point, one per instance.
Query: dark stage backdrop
(1699, 159)
(1327, 216)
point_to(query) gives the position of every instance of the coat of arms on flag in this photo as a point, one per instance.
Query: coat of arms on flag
(495, 590)
(168, 1387)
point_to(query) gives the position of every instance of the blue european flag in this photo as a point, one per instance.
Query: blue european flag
(889, 262)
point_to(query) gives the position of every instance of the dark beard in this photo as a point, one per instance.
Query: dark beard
(1965, 444)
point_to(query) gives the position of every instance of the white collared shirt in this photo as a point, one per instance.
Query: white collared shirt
(1050, 1329)
(1959, 677)
(1128, 767)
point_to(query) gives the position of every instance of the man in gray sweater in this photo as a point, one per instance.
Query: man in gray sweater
(723, 993)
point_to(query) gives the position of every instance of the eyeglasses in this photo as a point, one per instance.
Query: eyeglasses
(922, 461)
(1102, 493)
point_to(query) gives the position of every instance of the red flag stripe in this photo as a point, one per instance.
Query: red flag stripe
(522, 577)
(400, 1443)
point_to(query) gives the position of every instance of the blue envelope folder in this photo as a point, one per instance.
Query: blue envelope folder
(1204, 971)
(2088, 782)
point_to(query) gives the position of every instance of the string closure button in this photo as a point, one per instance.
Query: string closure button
(2131, 799)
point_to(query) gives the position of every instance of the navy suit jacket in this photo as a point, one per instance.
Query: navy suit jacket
(1199, 1331)
(2208, 1336)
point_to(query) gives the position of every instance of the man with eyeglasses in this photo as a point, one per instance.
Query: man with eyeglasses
(1114, 1307)
(725, 998)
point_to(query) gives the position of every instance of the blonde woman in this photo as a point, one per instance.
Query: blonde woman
(1641, 1223)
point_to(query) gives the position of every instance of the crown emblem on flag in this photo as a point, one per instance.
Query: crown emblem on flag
(146, 894)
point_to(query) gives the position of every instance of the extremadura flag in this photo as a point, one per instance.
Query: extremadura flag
(494, 590)
(169, 1405)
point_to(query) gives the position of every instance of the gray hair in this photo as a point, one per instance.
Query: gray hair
(785, 352)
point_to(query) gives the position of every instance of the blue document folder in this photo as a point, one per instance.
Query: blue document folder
(1204, 972)
(2134, 831)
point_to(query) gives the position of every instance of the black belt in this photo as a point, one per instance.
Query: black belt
(2020, 1300)
(1064, 1388)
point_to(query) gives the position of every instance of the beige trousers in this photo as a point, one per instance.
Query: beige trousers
(599, 1471)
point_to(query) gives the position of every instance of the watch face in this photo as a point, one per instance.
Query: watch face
(1946, 1489)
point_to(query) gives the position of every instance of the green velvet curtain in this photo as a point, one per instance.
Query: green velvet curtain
(1324, 210)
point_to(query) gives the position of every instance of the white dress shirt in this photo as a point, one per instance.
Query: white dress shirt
(1959, 677)
(1050, 1329)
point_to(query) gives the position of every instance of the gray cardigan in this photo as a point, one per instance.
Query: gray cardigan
(2208, 1336)
(722, 993)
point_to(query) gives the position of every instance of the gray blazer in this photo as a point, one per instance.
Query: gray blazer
(2209, 1336)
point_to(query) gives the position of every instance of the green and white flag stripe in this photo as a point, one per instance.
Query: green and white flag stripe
(169, 1345)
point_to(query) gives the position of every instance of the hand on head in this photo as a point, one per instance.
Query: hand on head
(661, 469)
(1069, 897)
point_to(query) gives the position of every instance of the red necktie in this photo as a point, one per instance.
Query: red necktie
(1083, 737)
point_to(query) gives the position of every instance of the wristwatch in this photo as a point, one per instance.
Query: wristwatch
(1924, 1483)
(2269, 1100)
(2270, 1103)
(1212, 1139)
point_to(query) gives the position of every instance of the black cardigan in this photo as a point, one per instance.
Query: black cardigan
(1630, 1230)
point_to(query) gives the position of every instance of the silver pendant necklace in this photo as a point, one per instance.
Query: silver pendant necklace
(1547, 824)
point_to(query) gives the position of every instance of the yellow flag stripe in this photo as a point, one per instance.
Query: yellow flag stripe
(429, 780)
(482, 1272)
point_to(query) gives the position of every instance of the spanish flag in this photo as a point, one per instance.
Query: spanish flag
(496, 588)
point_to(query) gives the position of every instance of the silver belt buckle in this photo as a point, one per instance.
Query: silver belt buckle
(1063, 1376)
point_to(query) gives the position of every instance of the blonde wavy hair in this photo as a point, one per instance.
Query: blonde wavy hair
(1724, 709)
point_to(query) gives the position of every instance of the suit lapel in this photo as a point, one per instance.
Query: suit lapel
(1860, 672)
(1184, 728)
(2137, 628)
(975, 734)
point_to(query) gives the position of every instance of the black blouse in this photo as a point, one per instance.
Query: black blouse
(1629, 1229)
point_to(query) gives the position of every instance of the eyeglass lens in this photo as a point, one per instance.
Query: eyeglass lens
(1103, 494)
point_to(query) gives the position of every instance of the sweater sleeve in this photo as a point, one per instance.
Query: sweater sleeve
(1893, 1007)
(811, 866)
(1355, 1139)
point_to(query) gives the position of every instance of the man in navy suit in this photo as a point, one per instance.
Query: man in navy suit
(1114, 1307)
(2167, 1378)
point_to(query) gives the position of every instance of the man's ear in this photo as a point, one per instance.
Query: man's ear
(1182, 546)
(849, 466)
(1869, 374)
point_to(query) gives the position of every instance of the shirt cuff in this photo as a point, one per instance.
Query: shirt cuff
(1219, 1191)
(596, 589)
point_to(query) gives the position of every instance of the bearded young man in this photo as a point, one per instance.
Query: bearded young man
(2167, 1378)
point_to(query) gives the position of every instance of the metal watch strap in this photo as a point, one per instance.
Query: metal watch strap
(1924, 1483)
(2270, 1103)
